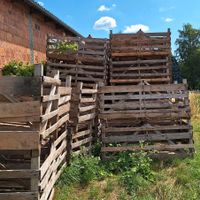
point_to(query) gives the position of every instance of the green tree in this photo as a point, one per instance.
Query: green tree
(188, 55)
(189, 39)
(191, 69)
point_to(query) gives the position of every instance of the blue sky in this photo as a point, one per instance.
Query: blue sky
(96, 17)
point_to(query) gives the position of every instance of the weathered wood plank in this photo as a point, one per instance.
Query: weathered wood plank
(10, 111)
(19, 140)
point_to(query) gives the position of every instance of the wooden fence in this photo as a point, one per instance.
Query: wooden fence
(158, 115)
(36, 134)
(83, 116)
(140, 56)
(88, 63)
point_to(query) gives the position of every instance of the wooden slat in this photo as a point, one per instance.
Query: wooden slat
(80, 143)
(25, 173)
(144, 88)
(46, 98)
(51, 81)
(64, 90)
(19, 140)
(59, 123)
(19, 195)
(87, 108)
(162, 147)
(124, 115)
(23, 110)
(86, 117)
(147, 137)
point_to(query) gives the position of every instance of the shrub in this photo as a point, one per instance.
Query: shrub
(127, 160)
(132, 182)
(64, 46)
(136, 170)
(82, 170)
(18, 69)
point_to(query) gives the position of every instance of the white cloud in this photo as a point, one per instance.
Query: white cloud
(168, 19)
(41, 3)
(165, 9)
(135, 28)
(105, 23)
(103, 8)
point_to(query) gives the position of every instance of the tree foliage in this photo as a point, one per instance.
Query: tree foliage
(188, 54)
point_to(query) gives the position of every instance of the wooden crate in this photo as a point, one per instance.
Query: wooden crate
(34, 115)
(83, 116)
(140, 57)
(19, 137)
(158, 115)
(88, 64)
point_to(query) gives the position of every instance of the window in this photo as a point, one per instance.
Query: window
(37, 27)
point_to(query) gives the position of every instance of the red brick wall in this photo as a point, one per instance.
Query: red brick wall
(14, 32)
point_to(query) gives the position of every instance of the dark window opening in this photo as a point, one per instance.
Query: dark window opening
(37, 27)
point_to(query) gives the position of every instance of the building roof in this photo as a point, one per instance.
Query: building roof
(38, 7)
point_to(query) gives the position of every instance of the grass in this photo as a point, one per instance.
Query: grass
(178, 179)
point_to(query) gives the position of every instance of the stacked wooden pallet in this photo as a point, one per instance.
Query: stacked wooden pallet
(83, 116)
(140, 56)
(158, 115)
(87, 62)
(34, 112)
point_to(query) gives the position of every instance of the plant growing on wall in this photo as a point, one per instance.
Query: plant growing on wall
(64, 46)
(18, 69)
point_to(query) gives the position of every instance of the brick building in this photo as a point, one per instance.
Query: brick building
(24, 25)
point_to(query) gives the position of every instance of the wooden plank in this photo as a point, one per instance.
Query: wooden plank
(87, 100)
(64, 109)
(25, 173)
(146, 128)
(82, 142)
(20, 86)
(46, 98)
(146, 137)
(51, 129)
(31, 110)
(19, 140)
(162, 147)
(86, 117)
(150, 80)
(145, 97)
(19, 195)
(51, 81)
(53, 155)
(81, 134)
(109, 116)
(49, 115)
(139, 61)
(144, 88)
(64, 90)
(87, 108)
(64, 99)
(89, 91)
(141, 75)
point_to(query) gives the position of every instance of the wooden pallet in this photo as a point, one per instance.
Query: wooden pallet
(88, 64)
(34, 112)
(158, 115)
(140, 57)
(83, 116)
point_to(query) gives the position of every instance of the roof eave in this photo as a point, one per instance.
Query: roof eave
(53, 17)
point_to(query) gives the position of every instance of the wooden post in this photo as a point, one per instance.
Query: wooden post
(35, 165)
(69, 143)
(38, 70)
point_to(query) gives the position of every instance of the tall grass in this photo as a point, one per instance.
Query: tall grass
(195, 104)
